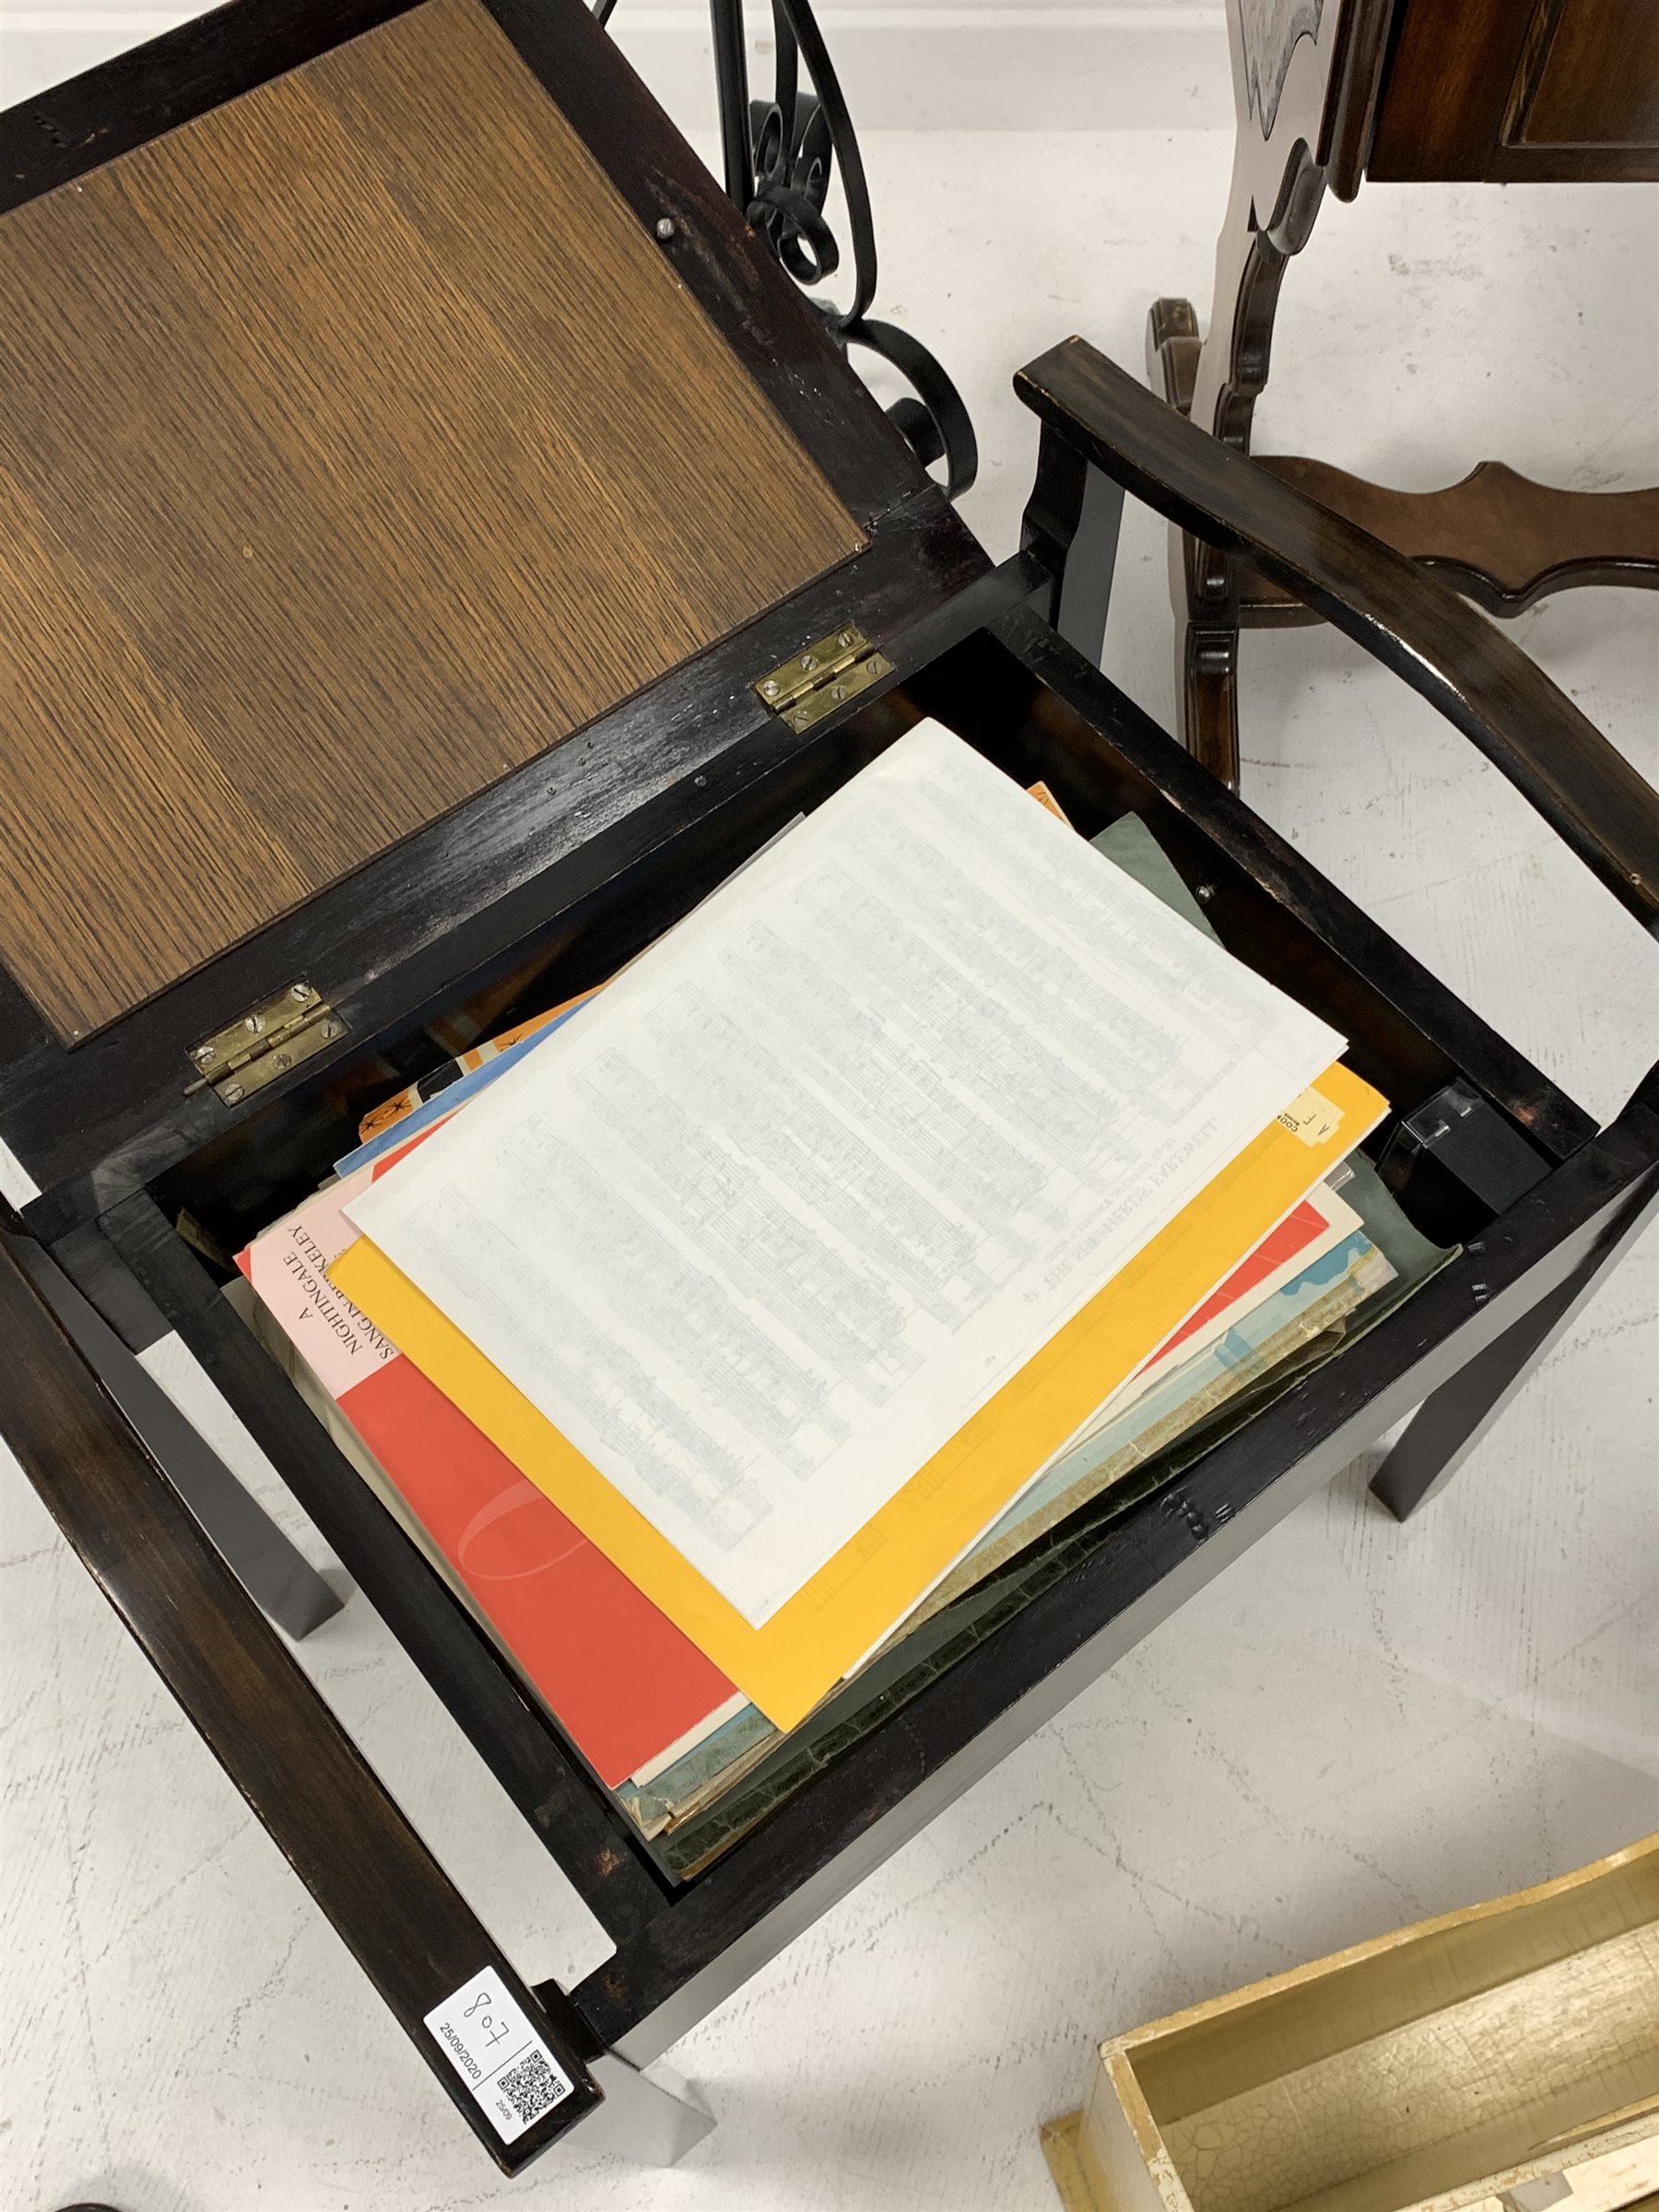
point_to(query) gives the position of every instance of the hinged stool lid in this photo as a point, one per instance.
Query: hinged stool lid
(387, 395)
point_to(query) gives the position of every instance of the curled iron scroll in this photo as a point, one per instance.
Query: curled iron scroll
(779, 158)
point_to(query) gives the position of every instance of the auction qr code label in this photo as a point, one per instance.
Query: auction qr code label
(484, 2034)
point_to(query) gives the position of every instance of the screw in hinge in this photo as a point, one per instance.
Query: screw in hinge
(845, 640)
(332, 1028)
(665, 228)
(202, 1054)
(232, 1094)
(301, 994)
(254, 1023)
(809, 664)
(838, 690)
(770, 686)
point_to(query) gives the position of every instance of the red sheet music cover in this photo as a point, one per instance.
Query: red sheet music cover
(622, 1679)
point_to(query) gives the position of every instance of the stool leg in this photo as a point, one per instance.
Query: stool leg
(650, 2122)
(1452, 1419)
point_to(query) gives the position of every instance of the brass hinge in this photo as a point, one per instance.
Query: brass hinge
(269, 1039)
(823, 678)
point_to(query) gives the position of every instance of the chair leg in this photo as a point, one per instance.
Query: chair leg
(1217, 384)
(1452, 1420)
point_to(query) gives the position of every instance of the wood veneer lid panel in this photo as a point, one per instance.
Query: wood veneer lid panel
(357, 446)
(78, 780)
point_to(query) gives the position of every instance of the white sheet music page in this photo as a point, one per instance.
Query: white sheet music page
(780, 1210)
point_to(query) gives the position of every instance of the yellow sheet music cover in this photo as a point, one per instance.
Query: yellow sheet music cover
(787, 1663)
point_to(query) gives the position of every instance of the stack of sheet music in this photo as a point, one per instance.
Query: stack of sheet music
(736, 1337)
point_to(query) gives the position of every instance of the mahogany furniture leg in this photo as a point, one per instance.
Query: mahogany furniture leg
(1453, 1419)
(1217, 383)
(1306, 80)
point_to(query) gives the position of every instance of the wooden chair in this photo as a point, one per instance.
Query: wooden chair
(1332, 92)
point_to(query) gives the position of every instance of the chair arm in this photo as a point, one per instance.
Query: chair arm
(1443, 648)
(397, 1910)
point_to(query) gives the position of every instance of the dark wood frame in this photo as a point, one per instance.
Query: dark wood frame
(1380, 89)
(995, 669)
(301, 1772)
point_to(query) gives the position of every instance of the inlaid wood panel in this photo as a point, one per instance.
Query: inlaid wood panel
(356, 444)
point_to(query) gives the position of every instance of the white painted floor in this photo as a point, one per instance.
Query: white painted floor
(1358, 1725)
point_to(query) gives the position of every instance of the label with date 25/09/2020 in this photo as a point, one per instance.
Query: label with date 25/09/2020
(485, 2035)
